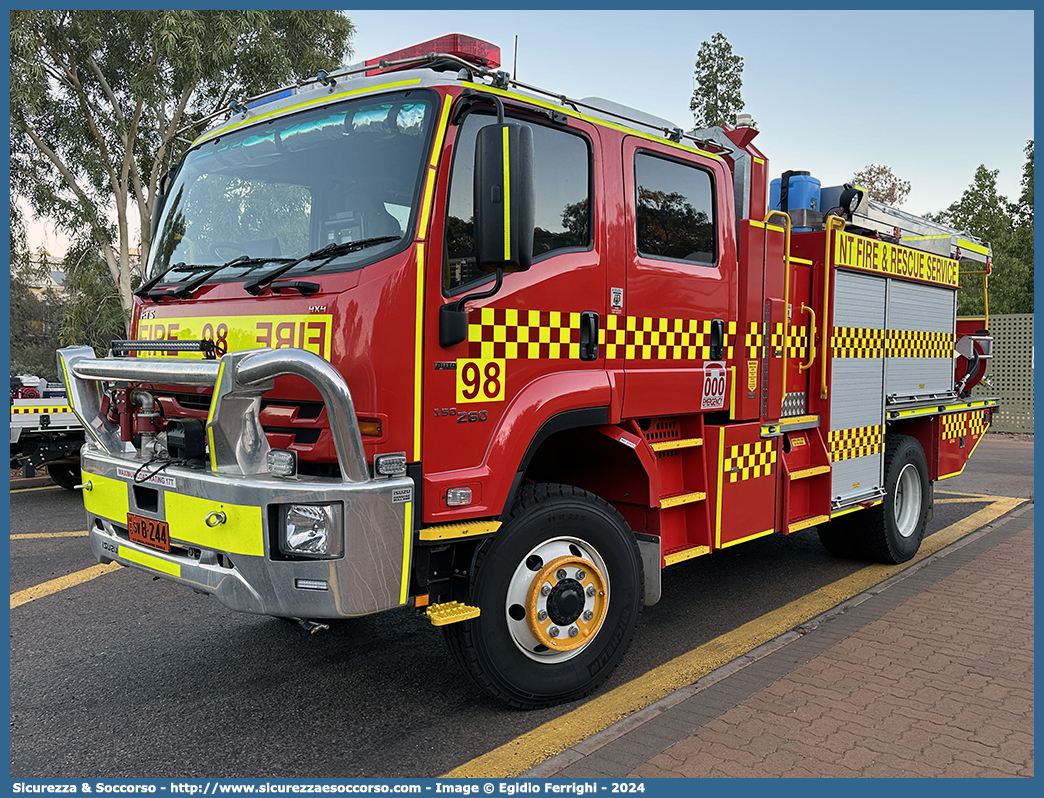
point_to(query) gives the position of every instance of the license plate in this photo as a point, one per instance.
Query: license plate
(147, 532)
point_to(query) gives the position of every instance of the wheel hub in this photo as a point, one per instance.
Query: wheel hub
(566, 603)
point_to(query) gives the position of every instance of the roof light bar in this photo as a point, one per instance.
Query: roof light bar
(467, 48)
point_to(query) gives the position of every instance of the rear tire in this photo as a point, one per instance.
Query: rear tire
(560, 590)
(892, 531)
(841, 538)
(67, 476)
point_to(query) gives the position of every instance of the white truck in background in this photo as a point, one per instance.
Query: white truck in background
(44, 430)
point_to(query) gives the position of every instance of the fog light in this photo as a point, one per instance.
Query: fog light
(390, 465)
(458, 497)
(282, 462)
(311, 584)
(312, 530)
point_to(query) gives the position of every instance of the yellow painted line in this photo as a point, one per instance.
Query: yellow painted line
(966, 459)
(853, 509)
(593, 120)
(961, 501)
(687, 554)
(323, 100)
(30, 490)
(407, 536)
(555, 736)
(61, 583)
(748, 537)
(507, 195)
(39, 535)
(968, 494)
(717, 497)
(418, 354)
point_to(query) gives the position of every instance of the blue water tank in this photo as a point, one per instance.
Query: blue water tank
(803, 193)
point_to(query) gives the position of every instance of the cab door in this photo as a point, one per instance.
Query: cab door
(532, 348)
(675, 337)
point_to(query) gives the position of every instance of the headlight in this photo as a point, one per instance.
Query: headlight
(312, 530)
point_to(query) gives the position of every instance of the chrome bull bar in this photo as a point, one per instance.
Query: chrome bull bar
(238, 446)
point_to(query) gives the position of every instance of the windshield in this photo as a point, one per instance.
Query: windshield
(277, 191)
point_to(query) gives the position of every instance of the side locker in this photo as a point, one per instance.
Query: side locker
(857, 389)
(744, 470)
(957, 435)
(920, 323)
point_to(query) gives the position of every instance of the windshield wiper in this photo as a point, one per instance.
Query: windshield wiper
(144, 288)
(324, 254)
(185, 289)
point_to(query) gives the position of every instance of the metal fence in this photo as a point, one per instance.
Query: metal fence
(1011, 371)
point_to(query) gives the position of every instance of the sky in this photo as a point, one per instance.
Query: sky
(932, 94)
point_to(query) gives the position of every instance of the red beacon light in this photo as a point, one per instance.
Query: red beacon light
(467, 48)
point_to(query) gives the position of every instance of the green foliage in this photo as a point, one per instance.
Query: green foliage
(98, 99)
(719, 78)
(882, 184)
(93, 314)
(35, 320)
(1008, 227)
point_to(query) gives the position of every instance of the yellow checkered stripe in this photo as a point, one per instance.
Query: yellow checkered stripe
(750, 461)
(858, 342)
(754, 340)
(847, 444)
(650, 338)
(918, 343)
(796, 341)
(957, 425)
(40, 409)
(512, 334)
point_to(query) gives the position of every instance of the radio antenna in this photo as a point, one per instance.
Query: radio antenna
(514, 65)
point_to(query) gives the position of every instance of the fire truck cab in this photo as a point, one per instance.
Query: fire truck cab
(418, 335)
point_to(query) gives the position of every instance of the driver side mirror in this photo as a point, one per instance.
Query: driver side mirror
(505, 198)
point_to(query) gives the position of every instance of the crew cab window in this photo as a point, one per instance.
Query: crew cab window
(562, 167)
(674, 210)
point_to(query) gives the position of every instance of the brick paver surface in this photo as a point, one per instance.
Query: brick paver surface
(941, 685)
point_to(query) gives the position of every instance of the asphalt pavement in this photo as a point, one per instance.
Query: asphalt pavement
(127, 675)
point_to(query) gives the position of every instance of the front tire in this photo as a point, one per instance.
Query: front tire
(67, 476)
(560, 590)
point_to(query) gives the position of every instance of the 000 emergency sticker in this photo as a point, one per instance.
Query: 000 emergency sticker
(480, 381)
(714, 384)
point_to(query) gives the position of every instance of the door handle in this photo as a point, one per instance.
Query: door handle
(589, 335)
(717, 339)
(811, 338)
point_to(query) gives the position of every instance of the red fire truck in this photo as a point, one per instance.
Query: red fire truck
(417, 334)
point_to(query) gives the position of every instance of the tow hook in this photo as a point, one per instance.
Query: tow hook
(313, 626)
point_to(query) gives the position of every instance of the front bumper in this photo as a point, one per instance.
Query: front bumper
(237, 559)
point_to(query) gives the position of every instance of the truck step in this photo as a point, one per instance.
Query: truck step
(460, 529)
(681, 443)
(450, 612)
(682, 498)
(681, 555)
(805, 523)
(809, 472)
